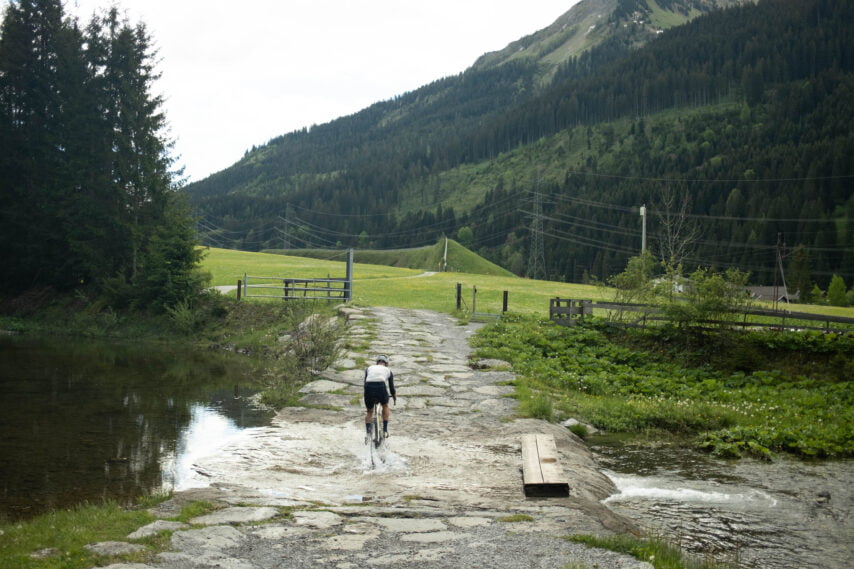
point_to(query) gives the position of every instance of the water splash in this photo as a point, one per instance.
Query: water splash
(660, 489)
(382, 460)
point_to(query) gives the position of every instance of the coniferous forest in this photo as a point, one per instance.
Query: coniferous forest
(89, 200)
(734, 129)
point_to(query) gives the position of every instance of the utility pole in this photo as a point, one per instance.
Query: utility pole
(777, 265)
(536, 255)
(643, 227)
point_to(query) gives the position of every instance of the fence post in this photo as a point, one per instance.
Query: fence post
(473, 299)
(459, 295)
(348, 285)
(504, 304)
(239, 283)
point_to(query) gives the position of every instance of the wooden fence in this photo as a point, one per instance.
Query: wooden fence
(568, 312)
(481, 316)
(287, 288)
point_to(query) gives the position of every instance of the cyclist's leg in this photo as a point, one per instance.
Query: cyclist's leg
(386, 414)
(369, 415)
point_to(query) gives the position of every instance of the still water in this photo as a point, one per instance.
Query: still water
(82, 421)
(788, 514)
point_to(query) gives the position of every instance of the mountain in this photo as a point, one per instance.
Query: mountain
(734, 123)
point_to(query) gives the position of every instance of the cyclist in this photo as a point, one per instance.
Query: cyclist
(379, 382)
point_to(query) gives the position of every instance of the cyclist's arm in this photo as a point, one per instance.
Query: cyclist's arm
(391, 384)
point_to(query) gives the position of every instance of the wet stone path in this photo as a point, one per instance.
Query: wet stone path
(446, 492)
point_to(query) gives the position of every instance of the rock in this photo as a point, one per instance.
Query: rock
(207, 539)
(236, 515)
(321, 520)
(591, 430)
(45, 553)
(491, 363)
(322, 386)
(156, 527)
(109, 548)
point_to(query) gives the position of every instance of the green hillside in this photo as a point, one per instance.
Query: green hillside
(734, 123)
(446, 255)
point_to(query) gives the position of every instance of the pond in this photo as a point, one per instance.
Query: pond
(83, 421)
(786, 514)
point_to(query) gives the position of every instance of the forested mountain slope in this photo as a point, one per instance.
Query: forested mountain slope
(743, 115)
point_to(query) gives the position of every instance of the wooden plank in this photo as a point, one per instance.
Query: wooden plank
(542, 474)
(531, 473)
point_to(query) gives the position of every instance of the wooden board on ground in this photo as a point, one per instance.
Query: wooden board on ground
(542, 474)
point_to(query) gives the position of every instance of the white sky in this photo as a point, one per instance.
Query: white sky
(238, 73)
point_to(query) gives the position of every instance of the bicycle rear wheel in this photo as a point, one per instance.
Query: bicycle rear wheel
(377, 422)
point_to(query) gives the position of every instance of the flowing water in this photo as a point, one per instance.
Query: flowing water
(781, 515)
(82, 421)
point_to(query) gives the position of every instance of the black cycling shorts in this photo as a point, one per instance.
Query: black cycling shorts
(375, 392)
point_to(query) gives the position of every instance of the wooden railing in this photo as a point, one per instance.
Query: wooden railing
(286, 288)
(568, 312)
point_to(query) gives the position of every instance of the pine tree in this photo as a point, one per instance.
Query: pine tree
(836, 293)
(85, 181)
(33, 94)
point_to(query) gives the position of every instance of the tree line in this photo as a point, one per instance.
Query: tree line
(89, 198)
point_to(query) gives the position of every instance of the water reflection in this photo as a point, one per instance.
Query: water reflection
(208, 432)
(83, 421)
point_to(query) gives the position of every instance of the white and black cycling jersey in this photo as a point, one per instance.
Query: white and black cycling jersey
(380, 374)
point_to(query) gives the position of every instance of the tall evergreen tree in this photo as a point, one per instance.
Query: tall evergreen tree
(33, 95)
(85, 180)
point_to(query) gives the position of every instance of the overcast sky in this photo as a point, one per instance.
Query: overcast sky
(238, 73)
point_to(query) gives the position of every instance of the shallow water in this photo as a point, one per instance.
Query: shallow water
(784, 514)
(83, 421)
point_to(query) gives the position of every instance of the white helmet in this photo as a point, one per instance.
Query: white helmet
(382, 359)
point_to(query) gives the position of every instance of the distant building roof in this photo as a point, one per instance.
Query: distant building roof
(772, 293)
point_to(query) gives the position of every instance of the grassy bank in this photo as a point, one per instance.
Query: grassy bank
(59, 538)
(733, 395)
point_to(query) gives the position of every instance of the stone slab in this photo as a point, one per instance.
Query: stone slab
(236, 515)
(209, 538)
(320, 520)
(322, 386)
(156, 527)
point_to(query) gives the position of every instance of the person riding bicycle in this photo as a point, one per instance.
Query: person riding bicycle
(379, 382)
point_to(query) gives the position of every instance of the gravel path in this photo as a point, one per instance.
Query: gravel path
(446, 492)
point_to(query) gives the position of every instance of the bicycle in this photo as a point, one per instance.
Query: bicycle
(377, 438)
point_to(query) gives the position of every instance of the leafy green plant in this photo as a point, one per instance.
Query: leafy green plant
(182, 316)
(653, 386)
(540, 407)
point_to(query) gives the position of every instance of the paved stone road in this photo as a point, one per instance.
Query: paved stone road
(446, 492)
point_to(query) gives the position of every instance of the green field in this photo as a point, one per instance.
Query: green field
(382, 285)
(379, 285)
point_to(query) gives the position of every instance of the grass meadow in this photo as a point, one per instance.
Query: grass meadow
(379, 285)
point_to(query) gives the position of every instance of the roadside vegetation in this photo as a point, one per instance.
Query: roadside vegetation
(756, 395)
(661, 554)
(730, 392)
